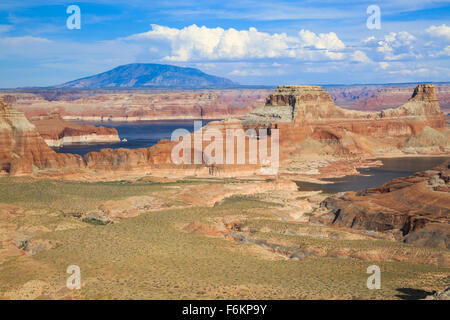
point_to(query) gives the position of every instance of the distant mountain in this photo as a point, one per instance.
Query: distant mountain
(148, 75)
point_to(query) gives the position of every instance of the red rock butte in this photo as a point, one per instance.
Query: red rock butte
(309, 123)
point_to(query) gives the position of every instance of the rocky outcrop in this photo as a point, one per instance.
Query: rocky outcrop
(296, 104)
(311, 104)
(423, 103)
(414, 209)
(309, 124)
(58, 132)
(312, 129)
(380, 97)
(137, 105)
(23, 149)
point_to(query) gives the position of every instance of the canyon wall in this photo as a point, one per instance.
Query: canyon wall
(58, 132)
(135, 105)
(379, 97)
(23, 151)
(140, 106)
(413, 209)
(310, 127)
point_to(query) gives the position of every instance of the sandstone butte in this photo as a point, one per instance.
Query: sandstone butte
(58, 132)
(379, 97)
(309, 123)
(413, 209)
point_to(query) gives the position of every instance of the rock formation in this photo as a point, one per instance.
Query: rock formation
(310, 126)
(304, 114)
(138, 105)
(380, 97)
(58, 132)
(414, 209)
(22, 148)
(310, 104)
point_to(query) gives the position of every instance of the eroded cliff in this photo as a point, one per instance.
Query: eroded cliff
(414, 209)
(315, 136)
(58, 132)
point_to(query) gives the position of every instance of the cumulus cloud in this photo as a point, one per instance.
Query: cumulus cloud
(196, 43)
(442, 53)
(360, 56)
(327, 41)
(393, 46)
(397, 46)
(384, 65)
(441, 31)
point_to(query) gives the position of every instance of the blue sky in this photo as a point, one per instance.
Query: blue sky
(251, 42)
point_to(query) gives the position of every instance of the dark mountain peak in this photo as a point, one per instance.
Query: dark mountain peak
(150, 75)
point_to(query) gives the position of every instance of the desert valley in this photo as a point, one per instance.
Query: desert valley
(141, 225)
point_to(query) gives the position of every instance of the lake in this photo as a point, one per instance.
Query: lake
(140, 134)
(145, 134)
(392, 168)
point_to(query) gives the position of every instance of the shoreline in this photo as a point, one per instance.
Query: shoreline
(328, 181)
(413, 156)
(115, 120)
(90, 139)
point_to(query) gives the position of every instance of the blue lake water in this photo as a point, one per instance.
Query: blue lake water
(147, 133)
(392, 168)
(141, 134)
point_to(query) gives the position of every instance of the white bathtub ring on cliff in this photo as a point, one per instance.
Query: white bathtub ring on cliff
(253, 147)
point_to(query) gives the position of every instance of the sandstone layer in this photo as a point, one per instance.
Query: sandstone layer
(413, 209)
(23, 149)
(40, 101)
(379, 97)
(312, 131)
(139, 105)
(58, 132)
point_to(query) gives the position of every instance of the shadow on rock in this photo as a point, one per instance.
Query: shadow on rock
(412, 294)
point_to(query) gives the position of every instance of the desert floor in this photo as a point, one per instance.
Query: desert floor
(167, 240)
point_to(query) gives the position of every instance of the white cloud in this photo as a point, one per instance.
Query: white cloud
(369, 40)
(360, 56)
(25, 40)
(393, 46)
(420, 71)
(197, 43)
(384, 65)
(245, 73)
(441, 31)
(443, 53)
(26, 46)
(327, 41)
(397, 46)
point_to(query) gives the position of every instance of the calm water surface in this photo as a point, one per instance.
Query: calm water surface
(141, 134)
(391, 169)
(147, 133)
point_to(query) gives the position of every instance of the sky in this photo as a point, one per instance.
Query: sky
(252, 42)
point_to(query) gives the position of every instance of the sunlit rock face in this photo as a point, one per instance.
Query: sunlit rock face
(413, 209)
(138, 105)
(22, 148)
(58, 132)
(303, 106)
(380, 97)
(309, 124)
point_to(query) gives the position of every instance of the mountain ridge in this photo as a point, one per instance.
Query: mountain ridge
(150, 75)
